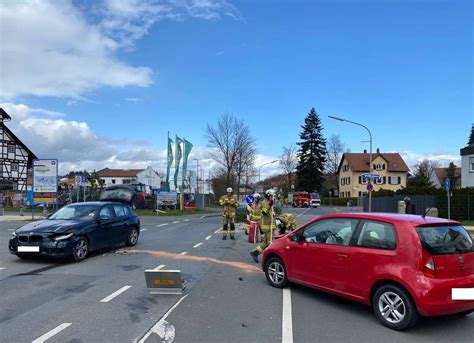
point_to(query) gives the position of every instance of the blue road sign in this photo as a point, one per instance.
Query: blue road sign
(370, 188)
(249, 199)
(447, 185)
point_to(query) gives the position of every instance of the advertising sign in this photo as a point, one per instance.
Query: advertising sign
(45, 181)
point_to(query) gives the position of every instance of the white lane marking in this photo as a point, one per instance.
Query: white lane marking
(208, 238)
(287, 320)
(203, 217)
(10, 229)
(163, 329)
(2, 268)
(462, 293)
(143, 230)
(176, 222)
(161, 266)
(53, 332)
(162, 225)
(115, 294)
(217, 231)
(197, 245)
(186, 220)
(184, 253)
(303, 212)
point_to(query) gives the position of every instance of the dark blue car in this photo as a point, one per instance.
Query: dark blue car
(76, 230)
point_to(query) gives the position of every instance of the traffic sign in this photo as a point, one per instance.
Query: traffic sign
(249, 199)
(447, 185)
(371, 176)
(370, 187)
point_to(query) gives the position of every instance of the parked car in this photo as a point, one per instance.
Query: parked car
(402, 265)
(76, 230)
(136, 196)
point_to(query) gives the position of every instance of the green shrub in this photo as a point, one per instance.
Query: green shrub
(338, 201)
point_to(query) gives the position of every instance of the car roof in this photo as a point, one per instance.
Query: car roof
(392, 217)
(96, 203)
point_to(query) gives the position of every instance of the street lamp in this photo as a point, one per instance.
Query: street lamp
(197, 182)
(370, 154)
(259, 168)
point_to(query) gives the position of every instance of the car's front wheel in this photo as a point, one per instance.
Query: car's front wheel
(275, 272)
(394, 307)
(80, 250)
(132, 238)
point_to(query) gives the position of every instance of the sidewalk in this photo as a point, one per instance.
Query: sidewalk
(17, 217)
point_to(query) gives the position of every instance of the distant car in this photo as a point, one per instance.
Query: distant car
(135, 196)
(401, 265)
(315, 200)
(76, 230)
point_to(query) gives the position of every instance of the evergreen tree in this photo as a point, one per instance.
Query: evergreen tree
(471, 137)
(451, 175)
(312, 154)
(423, 172)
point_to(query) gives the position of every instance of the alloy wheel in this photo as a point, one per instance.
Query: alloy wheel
(392, 307)
(80, 250)
(276, 272)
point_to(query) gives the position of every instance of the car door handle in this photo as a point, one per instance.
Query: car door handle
(342, 256)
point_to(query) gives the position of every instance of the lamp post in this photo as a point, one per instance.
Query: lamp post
(197, 180)
(259, 168)
(370, 154)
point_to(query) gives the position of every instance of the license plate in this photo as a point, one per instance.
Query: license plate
(28, 249)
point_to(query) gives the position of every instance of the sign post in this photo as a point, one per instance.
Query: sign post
(45, 181)
(447, 186)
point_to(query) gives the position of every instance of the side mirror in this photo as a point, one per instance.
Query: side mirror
(296, 237)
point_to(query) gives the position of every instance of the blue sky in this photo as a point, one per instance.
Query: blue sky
(403, 68)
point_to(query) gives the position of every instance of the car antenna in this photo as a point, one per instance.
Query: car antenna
(427, 210)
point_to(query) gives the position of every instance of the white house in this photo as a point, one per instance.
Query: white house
(130, 176)
(467, 162)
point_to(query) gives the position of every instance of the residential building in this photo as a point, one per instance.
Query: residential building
(391, 167)
(467, 162)
(439, 175)
(15, 158)
(130, 176)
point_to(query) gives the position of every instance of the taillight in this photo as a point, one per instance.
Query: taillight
(429, 267)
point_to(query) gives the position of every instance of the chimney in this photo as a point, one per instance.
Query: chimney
(378, 151)
(365, 151)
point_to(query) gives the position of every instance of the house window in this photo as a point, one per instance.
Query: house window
(126, 181)
(471, 164)
(113, 181)
(394, 180)
(14, 167)
(363, 180)
(379, 181)
(11, 148)
(378, 166)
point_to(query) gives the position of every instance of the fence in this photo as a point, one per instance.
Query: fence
(461, 204)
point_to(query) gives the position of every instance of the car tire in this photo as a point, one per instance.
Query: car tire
(23, 257)
(275, 271)
(394, 307)
(132, 238)
(80, 250)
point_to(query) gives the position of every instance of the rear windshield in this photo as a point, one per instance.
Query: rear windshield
(117, 194)
(445, 240)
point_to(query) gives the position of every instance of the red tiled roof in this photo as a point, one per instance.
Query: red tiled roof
(118, 172)
(442, 172)
(359, 162)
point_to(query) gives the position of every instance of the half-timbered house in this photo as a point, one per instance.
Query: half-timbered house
(15, 158)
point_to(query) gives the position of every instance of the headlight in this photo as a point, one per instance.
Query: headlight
(13, 235)
(63, 237)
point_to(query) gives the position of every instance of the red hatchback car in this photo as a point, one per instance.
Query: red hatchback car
(402, 265)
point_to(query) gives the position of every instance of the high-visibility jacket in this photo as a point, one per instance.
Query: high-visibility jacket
(229, 204)
(268, 219)
(256, 213)
(288, 220)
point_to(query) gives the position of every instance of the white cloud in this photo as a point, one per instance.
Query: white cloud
(443, 159)
(134, 99)
(54, 48)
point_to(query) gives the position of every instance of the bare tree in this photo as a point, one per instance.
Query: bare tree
(423, 172)
(233, 147)
(288, 163)
(335, 150)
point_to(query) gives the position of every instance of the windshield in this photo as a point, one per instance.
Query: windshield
(82, 212)
(445, 240)
(315, 196)
(117, 194)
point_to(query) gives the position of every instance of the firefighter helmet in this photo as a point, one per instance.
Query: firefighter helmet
(257, 196)
(270, 192)
(229, 190)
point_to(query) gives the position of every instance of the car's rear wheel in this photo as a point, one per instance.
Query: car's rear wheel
(394, 307)
(80, 250)
(132, 238)
(275, 272)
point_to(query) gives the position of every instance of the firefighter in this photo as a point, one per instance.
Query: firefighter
(267, 224)
(286, 222)
(256, 212)
(229, 204)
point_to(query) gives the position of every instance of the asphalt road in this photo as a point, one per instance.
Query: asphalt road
(227, 299)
